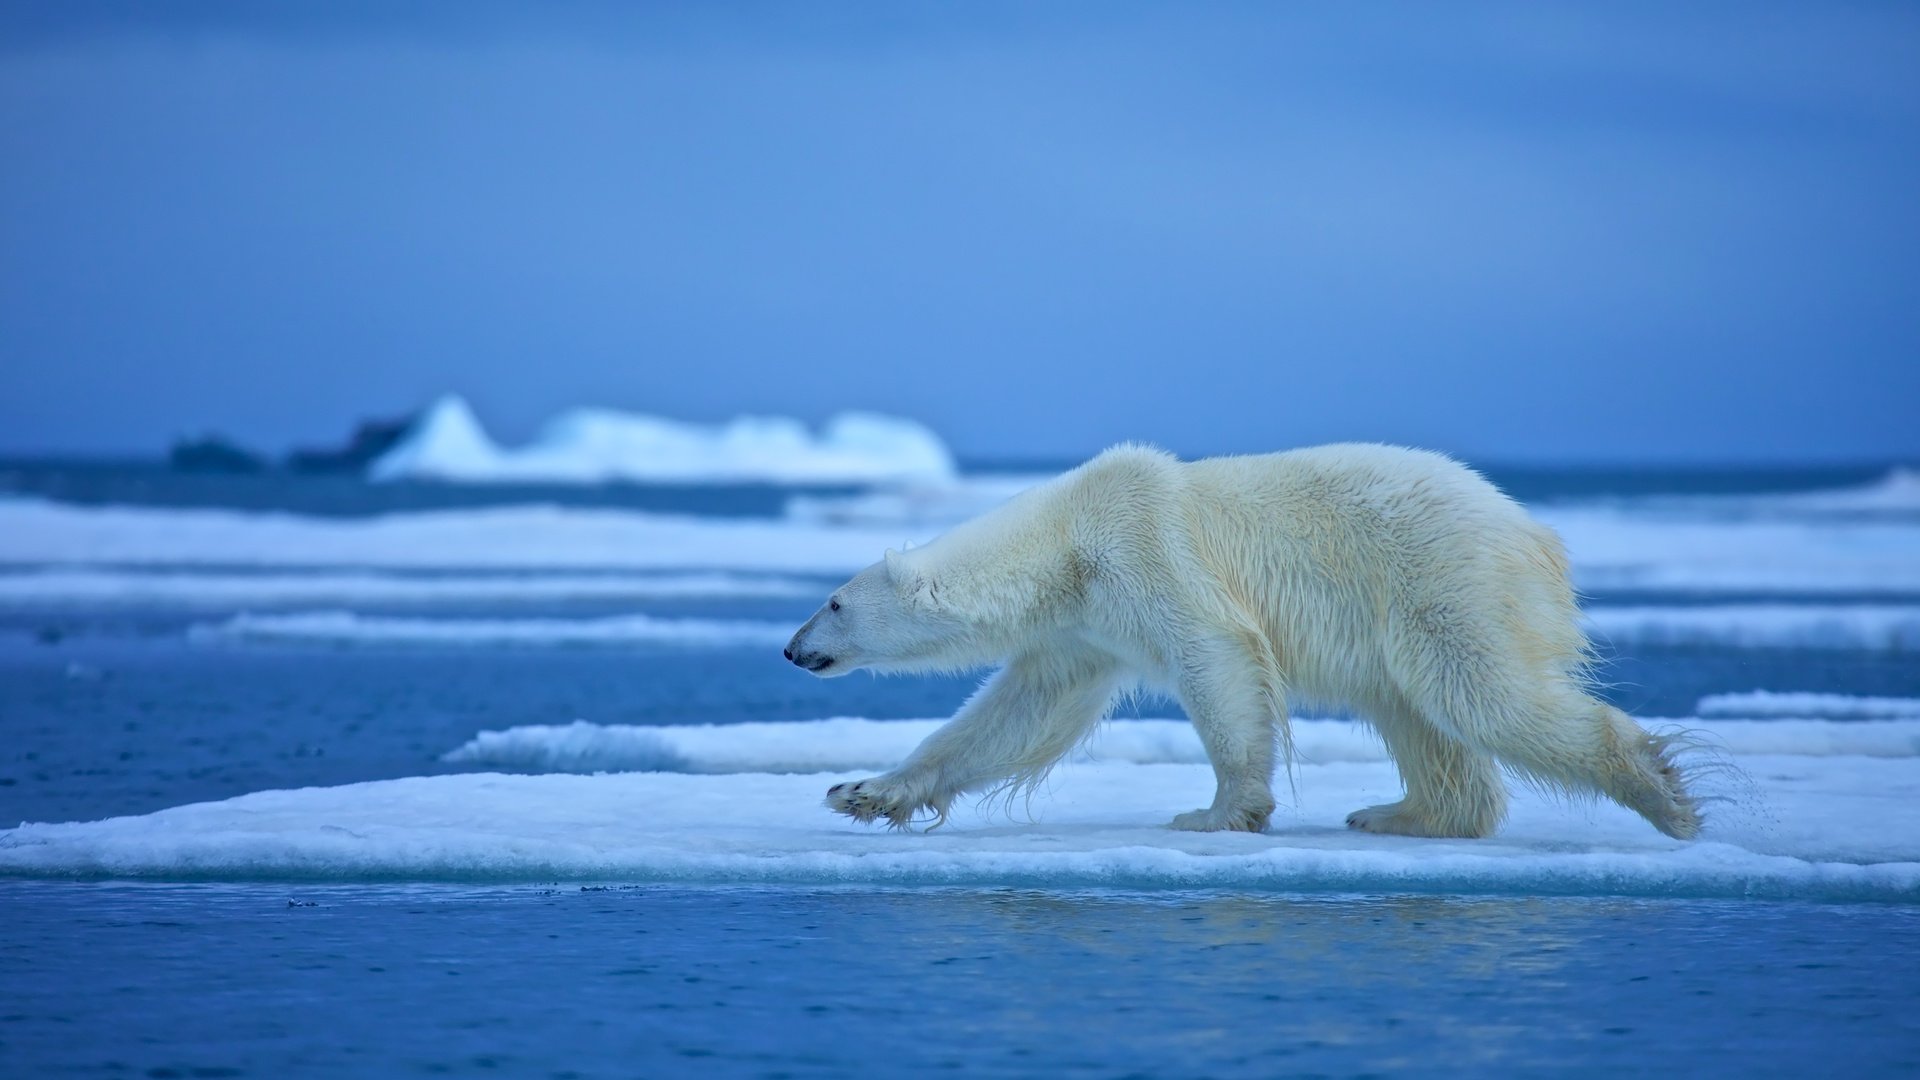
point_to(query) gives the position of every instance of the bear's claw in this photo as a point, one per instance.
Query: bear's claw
(1398, 819)
(861, 800)
(1242, 819)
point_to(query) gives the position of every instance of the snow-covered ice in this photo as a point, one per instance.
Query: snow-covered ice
(1891, 628)
(1880, 627)
(1827, 828)
(1801, 703)
(1609, 549)
(1627, 549)
(346, 627)
(191, 589)
(529, 537)
(840, 743)
(847, 743)
(927, 505)
(590, 446)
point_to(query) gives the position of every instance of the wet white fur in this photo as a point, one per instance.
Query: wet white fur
(1392, 581)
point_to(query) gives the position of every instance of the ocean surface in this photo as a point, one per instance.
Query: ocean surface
(311, 776)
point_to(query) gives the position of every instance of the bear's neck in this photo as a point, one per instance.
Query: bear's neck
(1011, 568)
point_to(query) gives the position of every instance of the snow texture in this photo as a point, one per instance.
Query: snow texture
(1889, 628)
(1773, 703)
(346, 627)
(846, 743)
(1609, 549)
(1875, 628)
(197, 590)
(1821, 828)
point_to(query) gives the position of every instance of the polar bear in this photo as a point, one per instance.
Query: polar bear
(1395, 582)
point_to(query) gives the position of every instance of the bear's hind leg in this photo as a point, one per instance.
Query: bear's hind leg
(1554, 733)
(1515, 696)
(1591, 746)
(1452, 789)
(1618, 758)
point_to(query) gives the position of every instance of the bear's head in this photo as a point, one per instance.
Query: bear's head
(889, 617)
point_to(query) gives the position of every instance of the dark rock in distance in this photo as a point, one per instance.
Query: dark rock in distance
(370, 440)
(213, 454)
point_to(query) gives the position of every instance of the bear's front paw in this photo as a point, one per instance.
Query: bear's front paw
(866, 801)
(1247, 819)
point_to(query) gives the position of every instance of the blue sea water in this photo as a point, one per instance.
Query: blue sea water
(106, 979)
(112, 708)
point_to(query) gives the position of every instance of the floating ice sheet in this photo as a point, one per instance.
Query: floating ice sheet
(199, 589)
(1775, 703)
(847, 743)
(1826, 828)
(1622, 548)
(346, 627)
(929, 506)
(1894, 628)
(34, 532)
(1878, 627)
(1610, 549)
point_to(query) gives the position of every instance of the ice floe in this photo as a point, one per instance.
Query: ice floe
(1775, 703)
(847, 743)
(1893, 628)
(592, 446)
(1879, 627)
(1615, 549)
(1893, 496)
(346, 627)
(1609, 550)
(1824, 828)
(195, 590)
(926, 506)
(529, 537)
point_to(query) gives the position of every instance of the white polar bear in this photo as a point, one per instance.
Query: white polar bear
(1393, 581)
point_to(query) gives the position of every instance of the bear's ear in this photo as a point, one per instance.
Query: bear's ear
(910, 582)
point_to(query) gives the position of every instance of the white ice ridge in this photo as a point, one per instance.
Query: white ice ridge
(1881, 627)
(1875, 628)
(1610, 549)
(1617, 548)
(1775, 703)
(846, 743)
(38, 533)
(589, 446)
(346, 627)
(195, 589)
(928, 506)
(1898, 490)
(1828, 829)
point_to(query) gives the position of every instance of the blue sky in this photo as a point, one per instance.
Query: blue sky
(1607, 232)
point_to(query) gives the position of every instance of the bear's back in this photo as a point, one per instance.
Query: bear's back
(1369, 486)
(1362, 516)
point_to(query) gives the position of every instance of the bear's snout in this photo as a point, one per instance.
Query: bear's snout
(814, 662)
(812, 659)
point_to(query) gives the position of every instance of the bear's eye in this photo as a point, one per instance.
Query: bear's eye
(833, 605)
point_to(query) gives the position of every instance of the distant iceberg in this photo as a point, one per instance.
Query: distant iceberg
(591, 446)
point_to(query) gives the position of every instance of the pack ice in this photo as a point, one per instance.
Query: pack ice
(1811, 808)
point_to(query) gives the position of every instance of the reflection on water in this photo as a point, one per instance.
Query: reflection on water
(644, 980)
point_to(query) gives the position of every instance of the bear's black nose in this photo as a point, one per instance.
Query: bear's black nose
(788, 653)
